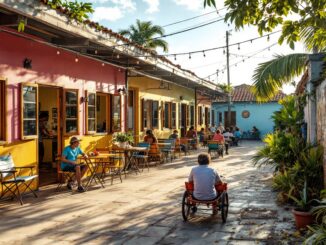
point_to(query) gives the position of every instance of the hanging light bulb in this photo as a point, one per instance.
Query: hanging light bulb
(267, 38)
(118, 56)
(95, 52)
(204, 54)
(103, 64)
(223, 51)
(76, 60)
(189, 55)
(175, 57)
(137, 62)
(251, 40)
(58, 52)
(238, 46)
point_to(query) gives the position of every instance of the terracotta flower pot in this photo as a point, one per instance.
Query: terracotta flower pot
(302, 219)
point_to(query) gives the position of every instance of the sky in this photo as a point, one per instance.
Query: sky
(120, 14)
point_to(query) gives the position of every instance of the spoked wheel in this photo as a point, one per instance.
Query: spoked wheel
(224, 206)
(185, 206)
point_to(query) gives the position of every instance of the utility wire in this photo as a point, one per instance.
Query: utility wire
(195, 17)
(234, 64)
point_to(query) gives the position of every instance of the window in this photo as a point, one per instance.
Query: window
(91, 113)
(155, 114)
(188, 115)
(147, 114)
(131, 110)
(102, 112)
(71, 111)
(2, 110)
(192, 115)
(179, 115)
(206, 116)
(173, 115)
(200, 115)
(220, 117)
(116, 113)
(213, 117)
(29, 111)
(166, 115)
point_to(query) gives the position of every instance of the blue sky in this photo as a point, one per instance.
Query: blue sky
(118, 14)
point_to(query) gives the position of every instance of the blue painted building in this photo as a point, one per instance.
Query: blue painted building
(246, 112)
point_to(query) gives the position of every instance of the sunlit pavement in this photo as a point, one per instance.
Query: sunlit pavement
(146, 209)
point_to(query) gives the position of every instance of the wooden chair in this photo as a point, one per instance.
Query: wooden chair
(169, 150)
(12, 178)
(64, 176)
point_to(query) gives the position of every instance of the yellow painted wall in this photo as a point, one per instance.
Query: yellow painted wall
(23, 154)
(149, 89)
(91, 142)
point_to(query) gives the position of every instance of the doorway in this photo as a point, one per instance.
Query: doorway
(49, 136)
(233, 119)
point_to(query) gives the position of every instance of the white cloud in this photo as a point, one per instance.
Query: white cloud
(152, 6)
(125, 5)
(107, 13)
(191, 4)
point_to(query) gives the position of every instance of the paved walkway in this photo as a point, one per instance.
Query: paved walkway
(146, 209)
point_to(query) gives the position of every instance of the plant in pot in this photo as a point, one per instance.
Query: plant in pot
(123, 139)
(302, 213)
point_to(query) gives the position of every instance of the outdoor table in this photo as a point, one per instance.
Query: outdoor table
(94, 163)
(130, 164)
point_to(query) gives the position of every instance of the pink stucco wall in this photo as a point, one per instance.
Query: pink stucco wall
(48, 67)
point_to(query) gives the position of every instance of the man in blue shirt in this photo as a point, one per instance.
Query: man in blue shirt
(69, 162)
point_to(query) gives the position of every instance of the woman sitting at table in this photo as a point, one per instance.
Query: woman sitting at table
(221, 140)
(154, 152)
(192, 134)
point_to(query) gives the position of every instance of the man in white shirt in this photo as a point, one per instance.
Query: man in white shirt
(204, 178)
(221, 128)
(228, 139)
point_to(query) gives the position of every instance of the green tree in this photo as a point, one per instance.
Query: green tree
(146, 34)
(303, 20)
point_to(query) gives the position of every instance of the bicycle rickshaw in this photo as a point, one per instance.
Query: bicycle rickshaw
(191, 204)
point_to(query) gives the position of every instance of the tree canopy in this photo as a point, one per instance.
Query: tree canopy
(301, 20)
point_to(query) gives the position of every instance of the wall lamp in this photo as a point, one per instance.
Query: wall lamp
(122, 91)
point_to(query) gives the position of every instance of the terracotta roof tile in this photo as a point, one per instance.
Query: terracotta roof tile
(242, 93)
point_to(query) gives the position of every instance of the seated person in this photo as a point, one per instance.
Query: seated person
(201, 135)
(69, 162)
(221, 140)
(204, 178)
(175, 136)
(154, 152)
(255, 132)
(191, 134)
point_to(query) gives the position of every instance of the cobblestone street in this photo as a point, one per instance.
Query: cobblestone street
(146, 209)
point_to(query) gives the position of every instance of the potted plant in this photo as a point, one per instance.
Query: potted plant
(123, 139)
(302, 213)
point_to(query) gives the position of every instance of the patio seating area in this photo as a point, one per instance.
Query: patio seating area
(104, 166)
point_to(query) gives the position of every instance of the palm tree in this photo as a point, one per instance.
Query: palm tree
(270, 76)
(145, 33)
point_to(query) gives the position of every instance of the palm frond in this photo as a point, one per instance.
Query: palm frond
(125, 33)
(158, 43)
(270, 76)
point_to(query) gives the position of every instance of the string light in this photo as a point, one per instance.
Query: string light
(175, 57)
(103, 64)
(204, 54)
(95, 52)
(76, 60)
(268, 38)
(58, 52)
(190, 56)
(238, 46)
(118, 56)
(223, 51)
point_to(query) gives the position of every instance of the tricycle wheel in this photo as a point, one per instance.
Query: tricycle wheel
(224, 206)
(185, 206)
